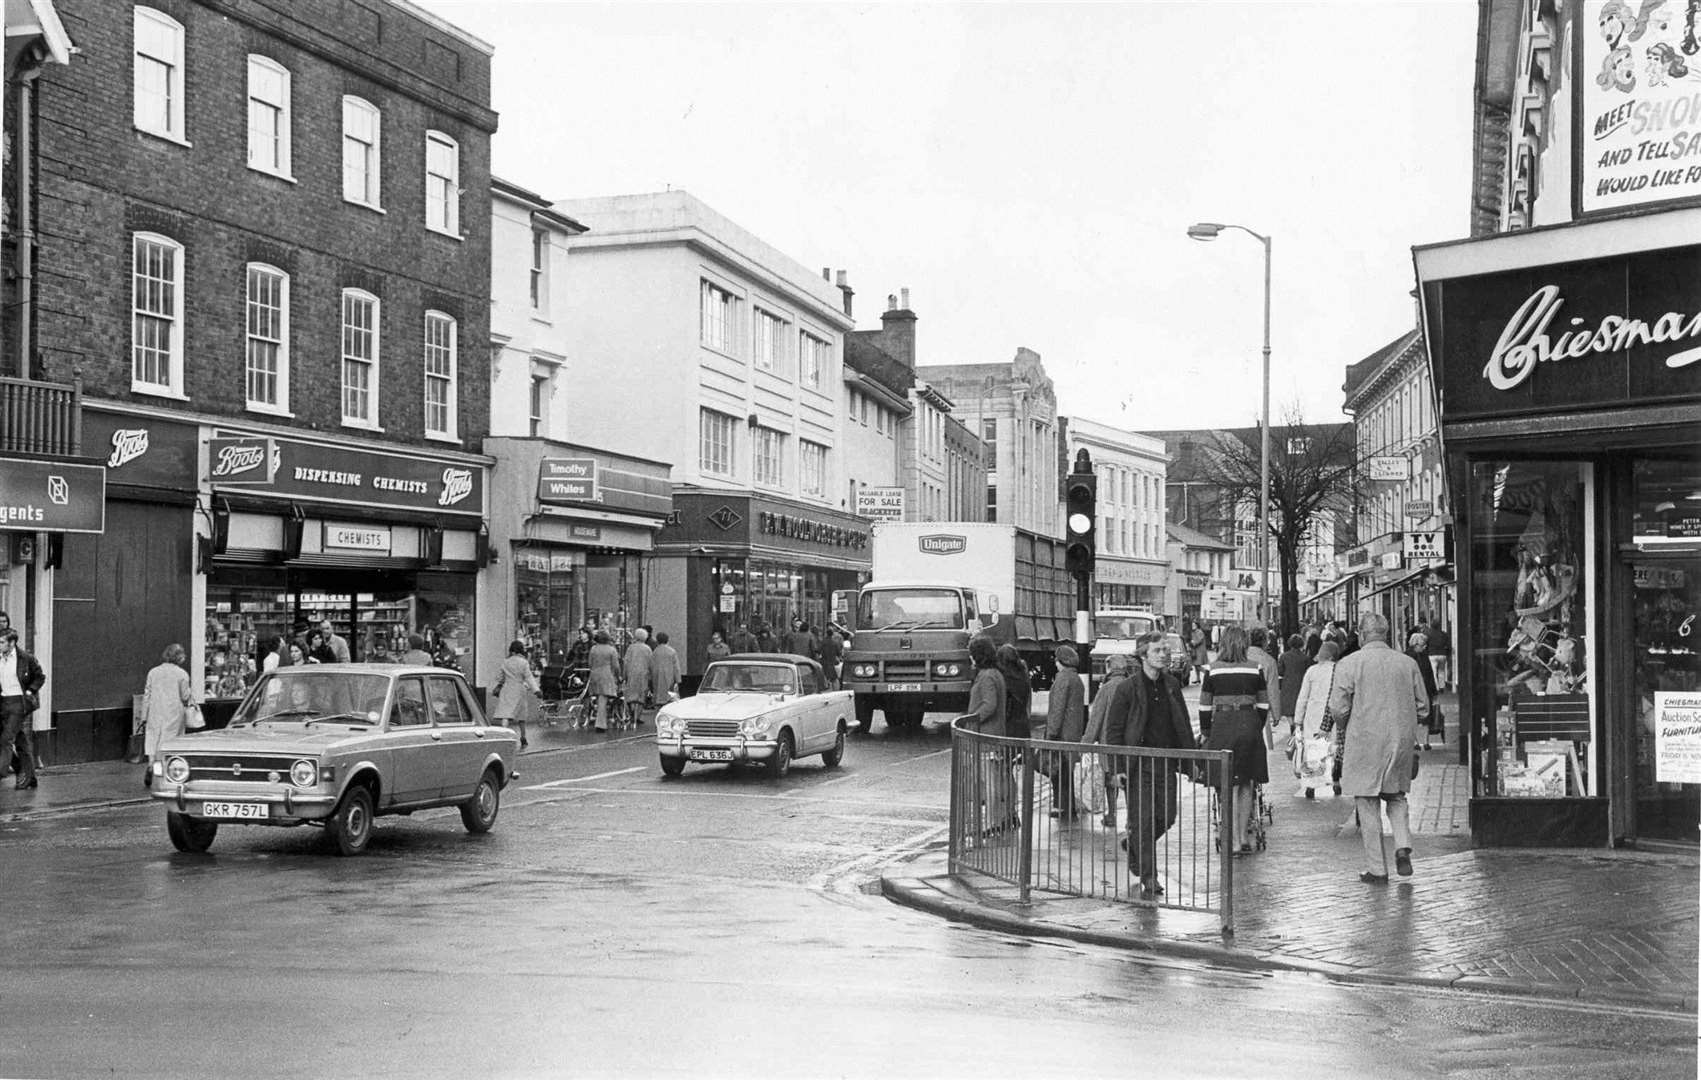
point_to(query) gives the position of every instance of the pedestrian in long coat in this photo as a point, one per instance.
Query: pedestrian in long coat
(637, 664)
(516, 691)
(1116, 668)
(664, 669)
(1379, 696)
(604, 679)
(1065, 721)
(987, 701)
(167, 697)
(1290, 672)
(1312, 759)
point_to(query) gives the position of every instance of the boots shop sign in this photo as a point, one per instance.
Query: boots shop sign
(1605, 333)
(285, 468)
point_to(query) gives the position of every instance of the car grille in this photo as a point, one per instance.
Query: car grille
(712, 729)
(905, 670)
(239, 768)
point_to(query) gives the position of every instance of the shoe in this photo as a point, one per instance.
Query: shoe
(147, 778)
(1150, 890)
(1373, 879)
(524, 744)
(1108, 821)
(1403, 862)
(22, 784)
(1311, 793)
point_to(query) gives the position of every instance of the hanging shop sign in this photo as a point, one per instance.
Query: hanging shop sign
(567, 480)
(1636, 107)
(1422, 548)
(1603, 333)
(52, 496)
(1389, 467)
(1419, 508)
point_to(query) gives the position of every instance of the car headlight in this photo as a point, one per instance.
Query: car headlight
(947, 670)
(304, 773)
(669, 725)
(176, 770)
(757, 726)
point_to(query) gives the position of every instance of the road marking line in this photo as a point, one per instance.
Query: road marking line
(582, 779)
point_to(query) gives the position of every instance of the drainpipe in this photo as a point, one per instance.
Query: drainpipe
(23, 161)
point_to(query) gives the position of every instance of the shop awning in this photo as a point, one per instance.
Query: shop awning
(1321, 593)
(1397, 582)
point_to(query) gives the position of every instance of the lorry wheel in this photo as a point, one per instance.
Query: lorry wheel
(864, 714)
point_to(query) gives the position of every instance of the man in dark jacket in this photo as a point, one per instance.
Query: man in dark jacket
(21, 678)
(800, 642)
(1147, 711)
(742, 640)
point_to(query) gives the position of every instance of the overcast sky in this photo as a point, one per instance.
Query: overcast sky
(1029, 171)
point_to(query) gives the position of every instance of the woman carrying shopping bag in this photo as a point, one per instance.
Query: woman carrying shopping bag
(516, 691)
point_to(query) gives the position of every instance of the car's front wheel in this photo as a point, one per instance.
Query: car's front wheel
(350, 826)
(187, 834)
(831, 758)
(478, 813)
(780, 763)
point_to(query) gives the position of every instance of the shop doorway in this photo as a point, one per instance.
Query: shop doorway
(1666, 596)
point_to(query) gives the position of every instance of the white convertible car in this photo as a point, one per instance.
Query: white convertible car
(757, 708)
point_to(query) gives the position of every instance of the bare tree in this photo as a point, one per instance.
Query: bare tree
(1313, 473)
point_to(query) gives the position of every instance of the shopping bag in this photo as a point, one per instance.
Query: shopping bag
(1089, 784)
(192, 718)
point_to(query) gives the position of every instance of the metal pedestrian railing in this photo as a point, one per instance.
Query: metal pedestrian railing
(1041, 815)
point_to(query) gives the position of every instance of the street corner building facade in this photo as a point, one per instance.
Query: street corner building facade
(262, 262)
(723, 357)
(1565, 345)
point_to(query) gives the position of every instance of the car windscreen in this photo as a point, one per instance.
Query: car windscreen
(1122, 626)
(909, 609)
(749, 678)
(306, 694)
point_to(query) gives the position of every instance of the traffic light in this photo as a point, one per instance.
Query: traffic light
(1081, 519)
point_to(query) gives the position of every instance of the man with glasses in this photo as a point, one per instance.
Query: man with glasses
(21, 679)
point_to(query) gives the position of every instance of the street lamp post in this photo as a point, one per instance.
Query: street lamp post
(1209, 231)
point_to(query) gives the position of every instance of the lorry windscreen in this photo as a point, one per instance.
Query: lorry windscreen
(909, 609)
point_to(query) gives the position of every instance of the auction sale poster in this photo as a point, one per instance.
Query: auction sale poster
(1677, 738)
(1638, 103)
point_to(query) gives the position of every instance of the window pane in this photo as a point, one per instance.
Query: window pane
(265, 336)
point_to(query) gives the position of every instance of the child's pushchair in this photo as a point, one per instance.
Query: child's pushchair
(1313, 763)
(1261, 820)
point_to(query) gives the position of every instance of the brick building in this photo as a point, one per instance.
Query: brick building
(263, 246)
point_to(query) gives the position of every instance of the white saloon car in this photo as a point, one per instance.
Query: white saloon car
(756, 708)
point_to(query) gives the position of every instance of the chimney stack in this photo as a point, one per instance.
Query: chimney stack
(905, 302)
(847, 292)
(897, 329)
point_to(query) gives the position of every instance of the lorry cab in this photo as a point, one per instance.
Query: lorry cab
(909, 650)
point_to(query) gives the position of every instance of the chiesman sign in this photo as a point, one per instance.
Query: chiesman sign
(1615, 331)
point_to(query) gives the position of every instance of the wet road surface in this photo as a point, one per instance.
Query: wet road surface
(617, 923)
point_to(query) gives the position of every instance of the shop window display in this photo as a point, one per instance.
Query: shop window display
(1531, 651)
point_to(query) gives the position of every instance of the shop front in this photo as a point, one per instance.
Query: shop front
(576, 528)
(1187, 588)
(1131, 584)
(378, 542)
(727, 560)
(1570, 398)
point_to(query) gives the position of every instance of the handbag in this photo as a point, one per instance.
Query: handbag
(192, 718)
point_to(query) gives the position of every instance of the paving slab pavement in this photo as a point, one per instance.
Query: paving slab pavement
(1617, 927)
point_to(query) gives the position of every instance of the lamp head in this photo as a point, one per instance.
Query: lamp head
(1204, 230)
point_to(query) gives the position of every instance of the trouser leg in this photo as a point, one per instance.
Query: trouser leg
(24, 742)
(1370, 831)
(1399, 816)
(602, 712)
(13, 719)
